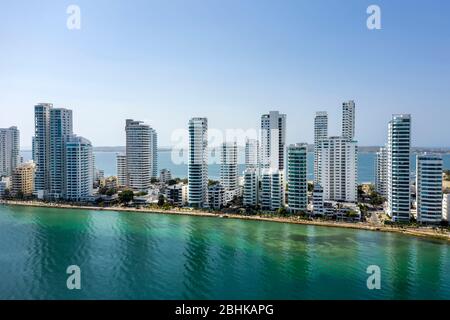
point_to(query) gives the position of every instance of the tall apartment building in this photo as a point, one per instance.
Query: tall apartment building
(429, 188)
(154, 153)
(121, 163)
(348, 120)
(273, 140)
(251, 153)
(61, 128)
(78, 178)
(251, 188)
(381, 172)
(399, 167)
(446, 207)
(198, 162)
(320, 134)
(339, 167)
(272, 189)
(41, 148)
(297, 177)
(229, 166)
(9, 150)
(318, 203)
(22, 181)
(141, 152)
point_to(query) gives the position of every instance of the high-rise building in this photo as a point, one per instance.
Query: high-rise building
(297, 177)
(78, 177)
(121, 161)
(140, 154)
(318, 203)
(61, 128)
(339, 163)
(272, 189)
(446, 207)
(9, 150)
(198, 162)
(348, 120)
(273, 140)
(251, 153)
(251, 188)
(41, 148)
(154, 153)
(381, 171)
(23, 180)
(429, 188)
(229, 166)
(399, 168)
(320, 133)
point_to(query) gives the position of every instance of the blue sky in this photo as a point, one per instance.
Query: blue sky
(228, 60)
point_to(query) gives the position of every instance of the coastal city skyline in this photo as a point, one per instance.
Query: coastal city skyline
(144, 61)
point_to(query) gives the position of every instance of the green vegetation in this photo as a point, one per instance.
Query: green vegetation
(310, 187)
(126, 196)
(161, 201)
(447, 175)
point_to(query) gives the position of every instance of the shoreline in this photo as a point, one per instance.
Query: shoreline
(416, 232)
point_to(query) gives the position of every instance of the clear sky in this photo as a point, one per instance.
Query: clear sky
(229, 60)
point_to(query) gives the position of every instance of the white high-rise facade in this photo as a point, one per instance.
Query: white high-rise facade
(273, 140)
(381, 172)
(399, 168)
(9, 150)
(198, 162)
(318, 203)
(429, 188)
(339, 164)
(61, 128)
(121, 169)
(78, 178)
(229, 166)
(154, 153)
(446, 207)
(251, 188)
(297, 177)
(251, 153)
(140, 155)
(320, 134)
(41, 148)
(272, 196)
(348, 120)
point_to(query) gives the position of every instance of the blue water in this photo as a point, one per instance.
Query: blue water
(107, 161)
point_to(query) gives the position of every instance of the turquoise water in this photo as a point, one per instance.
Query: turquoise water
(107, 161)
(150, 256)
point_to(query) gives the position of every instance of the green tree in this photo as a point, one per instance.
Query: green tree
(126, 196)
(161, 200)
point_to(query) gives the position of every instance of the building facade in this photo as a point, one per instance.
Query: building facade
(297, 178)
(381, 171)
(251, 154)
(272, 196)
(348, 120)
(78, 179)
(198, 162)
(429, 188)
(273, 140)
(121, 162)
(399, 167)
(446, 207)
(320, 134)
(251, 188)
(318, 202)
(9, 150)
(22, 182)
(165, 176)
(41, 148)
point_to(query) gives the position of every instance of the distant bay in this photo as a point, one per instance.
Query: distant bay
(106, 161)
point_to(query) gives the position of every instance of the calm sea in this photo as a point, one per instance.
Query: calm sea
(150, 256)
(107, 161)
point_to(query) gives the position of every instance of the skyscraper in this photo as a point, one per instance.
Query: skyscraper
(9, 150)
(78, 178)
(198, 162)
(399, 166)
(139, 155)
(273, 140)
(121, 169)
(251, 188)
(348, 120)
(339, 162)
(320, 133)
(297, 177)
(229, 166)
(429, 188)
(154, 153)
(41, 148)
(381, 171)
(61, 128)
(251, 153)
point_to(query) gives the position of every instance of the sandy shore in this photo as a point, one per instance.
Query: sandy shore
(418, 232)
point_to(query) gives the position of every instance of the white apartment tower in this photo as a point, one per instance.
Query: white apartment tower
(251, 153)
(273, 140)
(348, 120)
(154, 153)
(41, 148)
(429, 188)
(9, 150)
(139, 155)
(320, 134)
(78, 178)
(446, 207)
(229, 166)
(339, 163)
(251, 187)
(399, 167)
(381, 172)
(272, 189)
(198, 162)
(297, 177)
(121, 169)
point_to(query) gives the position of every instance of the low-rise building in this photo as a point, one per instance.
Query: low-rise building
(318, 206)
(22, 182)
(165, 176)
(177, 194)
(216, 196)
(446, 207)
